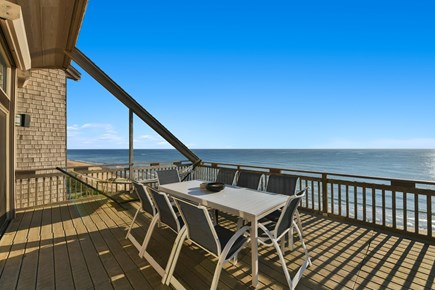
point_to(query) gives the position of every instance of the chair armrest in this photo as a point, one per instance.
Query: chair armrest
(233, 239)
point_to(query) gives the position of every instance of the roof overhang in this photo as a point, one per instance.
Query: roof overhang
(52, 28)
(12, 24)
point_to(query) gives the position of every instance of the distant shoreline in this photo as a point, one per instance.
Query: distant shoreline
(76, 163)
(398, 163)
(229, 149)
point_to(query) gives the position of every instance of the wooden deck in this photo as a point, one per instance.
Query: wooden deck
(81, 245)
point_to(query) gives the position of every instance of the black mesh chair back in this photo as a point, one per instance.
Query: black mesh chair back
(249, 179)
(282, 230)
(286, 219)
(199, 226)
(282, 184)
(166, 212)
(168, 176)
(218, 241)
(145, 198)
(226, 175)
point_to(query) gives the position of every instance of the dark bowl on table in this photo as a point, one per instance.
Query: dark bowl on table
(215, 186)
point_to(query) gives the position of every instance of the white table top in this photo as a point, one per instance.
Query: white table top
(246, 203)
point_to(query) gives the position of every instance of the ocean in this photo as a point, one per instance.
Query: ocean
(415, 164)
(400, 164)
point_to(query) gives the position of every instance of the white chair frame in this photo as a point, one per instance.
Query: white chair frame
(156, 221)
(275, 241)
(162, 171)
(290, 233)
(235, 174)
(221, 255)
(261, 181)
(140, 209)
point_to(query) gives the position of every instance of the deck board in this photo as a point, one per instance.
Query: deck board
(121, 220)
(97, 272)
(116, 275)
(107, 228)
(82, 245)
(79, 269)
(46, 277)
(11, 271)
(62, 263)
(160, 246)
(29, 269)
(7, 240)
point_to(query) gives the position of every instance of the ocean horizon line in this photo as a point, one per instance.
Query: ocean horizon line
(417, 164)
(255, 149)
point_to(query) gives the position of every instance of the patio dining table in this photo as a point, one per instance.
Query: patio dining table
(251, 205)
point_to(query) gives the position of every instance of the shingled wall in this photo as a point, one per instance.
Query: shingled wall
(43, 144)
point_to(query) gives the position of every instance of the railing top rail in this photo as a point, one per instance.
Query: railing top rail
(40, 175)
(330, 174)
(137, 164)
(103, 165)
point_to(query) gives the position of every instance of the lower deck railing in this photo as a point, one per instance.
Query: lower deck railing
(404, 206)
(398, 205)
(48, 185)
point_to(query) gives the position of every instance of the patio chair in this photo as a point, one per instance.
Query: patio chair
(189, 171)
(168, 176)
(220, 242)
(249, 179)
(226, 175)
(146, 206)
(284, 184)
(270, 234)
(165, 215)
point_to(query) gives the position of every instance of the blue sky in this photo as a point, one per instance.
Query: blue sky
(260, 74)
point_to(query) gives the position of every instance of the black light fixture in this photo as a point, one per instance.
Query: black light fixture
(22, 120)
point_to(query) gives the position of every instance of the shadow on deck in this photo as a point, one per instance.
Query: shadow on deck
(81, 245)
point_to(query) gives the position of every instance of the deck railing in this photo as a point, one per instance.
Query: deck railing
(44, 186)
(398, 205)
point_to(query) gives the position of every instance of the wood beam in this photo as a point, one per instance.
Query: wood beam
(93, 70)
(12, 24)
(76, 23)
(72, 73)
(12, 142)
(23, 78)
(9, 11)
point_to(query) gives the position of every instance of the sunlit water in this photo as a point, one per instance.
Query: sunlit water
(400, 164)
(404, 164)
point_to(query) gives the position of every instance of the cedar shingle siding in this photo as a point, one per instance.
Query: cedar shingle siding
(43, 144)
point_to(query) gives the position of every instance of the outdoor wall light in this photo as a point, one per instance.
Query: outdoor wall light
(22, 120)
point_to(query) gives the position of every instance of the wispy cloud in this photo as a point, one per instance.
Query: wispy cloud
(147, 137)
(106, 135)
(151, 141)
(95, 135)
(163, 143)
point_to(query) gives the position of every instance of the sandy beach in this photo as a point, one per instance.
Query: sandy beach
(74, 163)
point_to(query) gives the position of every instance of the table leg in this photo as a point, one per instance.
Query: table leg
(254, 252)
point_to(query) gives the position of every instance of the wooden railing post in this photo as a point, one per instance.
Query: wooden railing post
(325, 193)
(383, 195)
(130, 144)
